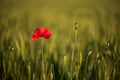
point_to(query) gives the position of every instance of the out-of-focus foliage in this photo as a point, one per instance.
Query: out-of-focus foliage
(97, 51)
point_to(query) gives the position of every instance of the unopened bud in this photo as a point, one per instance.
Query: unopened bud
(76, 26)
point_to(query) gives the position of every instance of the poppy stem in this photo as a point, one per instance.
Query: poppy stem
(42, 50)
(43, 63)
(73, 52)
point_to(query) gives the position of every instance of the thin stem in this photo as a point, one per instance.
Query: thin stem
(43, 65)
(73, 52)
(74, 45)
(42, 50)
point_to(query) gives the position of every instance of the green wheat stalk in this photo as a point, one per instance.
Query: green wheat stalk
(80, 59)
(29, 72)
(86, 66)
(33, 76)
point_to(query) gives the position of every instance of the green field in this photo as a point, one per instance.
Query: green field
(91, 52)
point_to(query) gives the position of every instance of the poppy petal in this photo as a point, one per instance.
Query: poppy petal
(34, 37)
(47, 34)
(42, 30)
(36, 31)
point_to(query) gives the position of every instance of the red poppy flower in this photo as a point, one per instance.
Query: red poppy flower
(41, 32)
(47, 34)
(34, 37)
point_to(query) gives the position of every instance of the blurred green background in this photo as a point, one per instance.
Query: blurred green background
(99, 25)
(97, 20)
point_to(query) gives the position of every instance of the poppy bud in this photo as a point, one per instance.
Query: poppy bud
(76, 26)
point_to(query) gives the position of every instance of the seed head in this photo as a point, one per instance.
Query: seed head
(76, 26)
